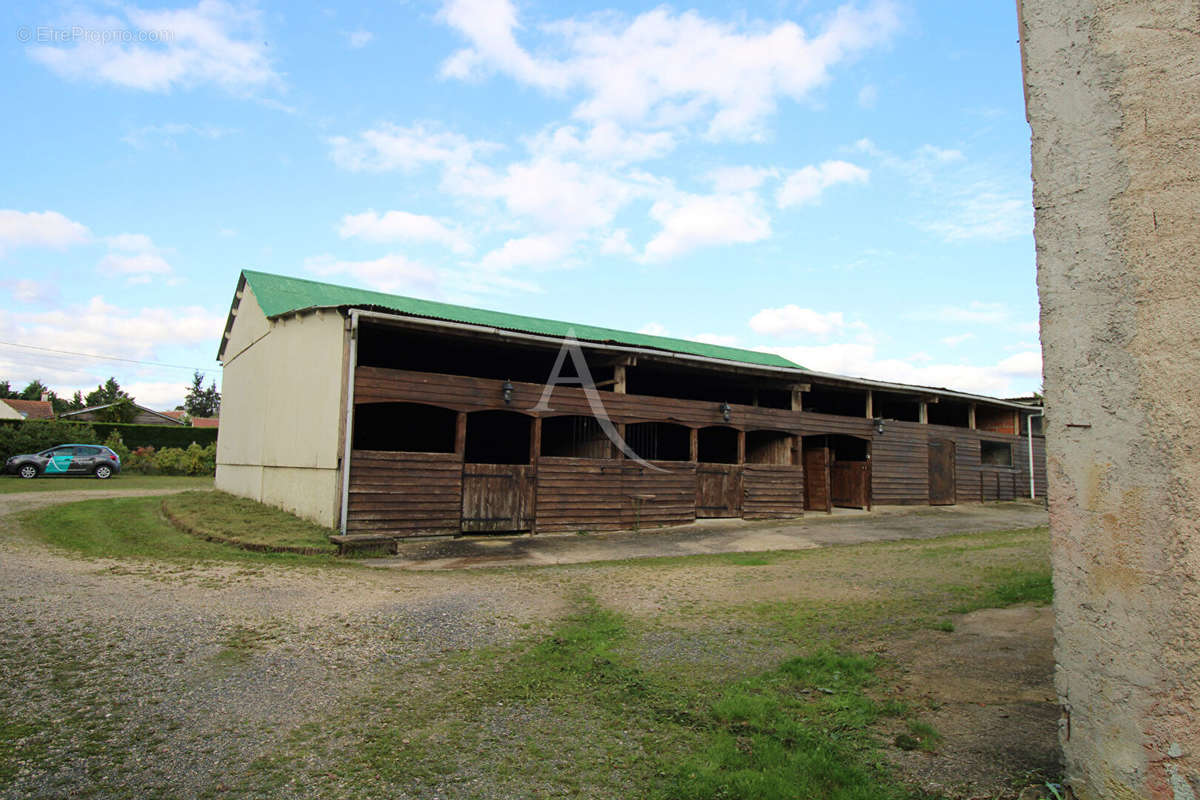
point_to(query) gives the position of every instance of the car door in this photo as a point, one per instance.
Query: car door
(59, 461)
(84, 460)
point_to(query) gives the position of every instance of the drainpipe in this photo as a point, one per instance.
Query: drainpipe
(349, 424)
(1029, 436)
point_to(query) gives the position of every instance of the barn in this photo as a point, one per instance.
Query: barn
(388, 416)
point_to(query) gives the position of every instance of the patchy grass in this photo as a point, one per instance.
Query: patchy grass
(11, 484)
(920, 736)
(134, 528)
(224, 517)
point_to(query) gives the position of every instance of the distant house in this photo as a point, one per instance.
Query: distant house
(26, 409)
(145, 416)
(197, 422)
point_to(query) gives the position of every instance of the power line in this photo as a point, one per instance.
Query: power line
(106, 358)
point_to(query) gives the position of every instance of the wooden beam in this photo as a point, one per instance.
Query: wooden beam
(741, 447)
(797, 399)
(694, 445)
(460, 434)
(801, 387)
(535, 440)
(870, 404)
(619, 378)
(971, 416)
(923, 413)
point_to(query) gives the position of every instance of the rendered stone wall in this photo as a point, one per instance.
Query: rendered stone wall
(1113, 100)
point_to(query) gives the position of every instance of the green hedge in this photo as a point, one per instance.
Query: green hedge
(30, 436)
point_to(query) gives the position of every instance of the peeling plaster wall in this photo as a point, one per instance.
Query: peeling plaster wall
(1113, 100)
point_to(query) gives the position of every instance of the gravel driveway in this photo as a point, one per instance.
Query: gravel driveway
(146, 679)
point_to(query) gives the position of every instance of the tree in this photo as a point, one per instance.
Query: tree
(201, 402)
(76, 402)
(121, 410)
(109, 392)
(6, 392)
(34, 390)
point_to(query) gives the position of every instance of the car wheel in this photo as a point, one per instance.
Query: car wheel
(103, 472)
(28, 471)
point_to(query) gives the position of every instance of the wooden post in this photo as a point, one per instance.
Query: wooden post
(741, 456)
(870, 403)
(923, 413)
(535, 440)
(619, 379)
(460, 434)
(971, 416)
(694, 444)
(616, 451)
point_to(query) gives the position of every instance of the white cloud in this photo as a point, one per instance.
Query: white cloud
(135, 257)
(984, 213)
(976, 311)
(30, 292)
(1011, 376)
(733, 180)
(158, 395)
(690, 221)
(528, 251)
(212, 43)
(359, 39)
(604, 141)
(791, 319)
(806, 185)
(402, 226)
(955, 341)
(39, 229)
(559, 195)
(653, 329)
(394, 147)
(617, 243)
(664, 68)
(390, 273)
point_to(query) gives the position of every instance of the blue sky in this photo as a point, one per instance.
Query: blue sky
(846, 184)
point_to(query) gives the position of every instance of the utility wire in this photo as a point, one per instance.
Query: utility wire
(106, 358)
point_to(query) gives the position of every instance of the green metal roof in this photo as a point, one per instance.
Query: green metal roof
(278, 294)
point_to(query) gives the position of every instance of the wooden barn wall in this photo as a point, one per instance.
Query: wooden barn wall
(404, 493)
(674, 490)
(900, 464)
(772, 491)
(589, 494)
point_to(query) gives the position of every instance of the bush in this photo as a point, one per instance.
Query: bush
(134, 436)
(114, 443)
(171, 461)
(35, 435)
(141, 460)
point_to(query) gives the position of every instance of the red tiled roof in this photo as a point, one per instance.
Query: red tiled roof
(197, 422)
(32, 409)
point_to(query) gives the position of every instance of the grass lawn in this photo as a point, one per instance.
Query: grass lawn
(10, 484)
(135, 528)
(225, 517)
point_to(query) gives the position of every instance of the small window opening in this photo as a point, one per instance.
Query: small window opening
(768, 447)
(497, 437)
(898, 407)
(574, 437)
(718, 445)
(995, 454)
(843, 402)
(949, 412)
(407, 427)
(848, 448)
(659, 441)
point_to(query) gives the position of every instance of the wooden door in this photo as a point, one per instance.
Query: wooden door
(816, 478)
(941, 472)
(719, 490)
(849, 484)
(497, 497)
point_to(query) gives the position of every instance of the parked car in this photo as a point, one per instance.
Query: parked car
(67, 459)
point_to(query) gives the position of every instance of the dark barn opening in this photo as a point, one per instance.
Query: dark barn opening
(950, 412)
(995, 454)
(768, 447)
(901, 408)
(497, 437)
(407, 427)
(843, 402)
(659, 441)
(848, 448)
(717, 445)
(574, 437)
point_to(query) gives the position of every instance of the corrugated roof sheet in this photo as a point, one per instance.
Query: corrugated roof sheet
(278, 294)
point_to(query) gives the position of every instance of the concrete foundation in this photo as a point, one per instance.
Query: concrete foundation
(1113, 100)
